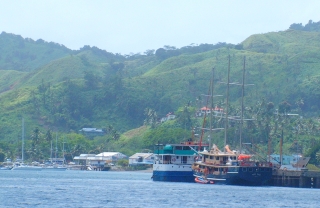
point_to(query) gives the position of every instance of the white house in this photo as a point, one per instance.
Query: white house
(169, 116)
(99, 159)
(205, 110)
(92, 132)
(141, 159)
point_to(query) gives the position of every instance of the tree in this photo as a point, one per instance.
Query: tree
(48, 136)
(161, 53)
(149, 52)
(35, 151)
(150, 117)
(91, 80)
(185, 117)
(284, 107)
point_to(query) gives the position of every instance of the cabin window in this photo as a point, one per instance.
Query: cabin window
(184, 159)
(178, 147)
(186, 148)
(244, 169)
(217, 158)
(216, 169)
(250, 169)
(211, 157)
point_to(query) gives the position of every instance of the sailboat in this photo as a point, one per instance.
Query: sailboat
(54, 166)
(20, 165)
(230, 167)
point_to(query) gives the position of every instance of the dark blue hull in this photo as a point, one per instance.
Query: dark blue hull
(254, 177)
(173, 176)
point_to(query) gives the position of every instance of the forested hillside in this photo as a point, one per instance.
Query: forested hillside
(60, 90)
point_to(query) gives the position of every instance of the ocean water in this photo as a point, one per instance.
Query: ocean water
(136, 189)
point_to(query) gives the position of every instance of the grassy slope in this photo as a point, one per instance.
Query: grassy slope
(276, 64)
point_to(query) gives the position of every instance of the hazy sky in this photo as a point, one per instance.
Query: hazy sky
(125, 26)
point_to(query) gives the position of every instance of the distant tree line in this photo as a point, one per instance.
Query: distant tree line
(310, 26)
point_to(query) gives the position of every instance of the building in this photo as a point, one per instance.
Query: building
(141, 159)
(92, 132)
(99, 159)
(205, 110)
(169, 116)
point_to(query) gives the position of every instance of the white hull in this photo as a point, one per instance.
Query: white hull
(32, 168)
(172, 167)
(54, 168)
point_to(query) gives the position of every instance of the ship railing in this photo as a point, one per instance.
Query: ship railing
(254, 164)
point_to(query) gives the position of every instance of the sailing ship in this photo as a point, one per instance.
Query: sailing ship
(231, 167)
(173, 161)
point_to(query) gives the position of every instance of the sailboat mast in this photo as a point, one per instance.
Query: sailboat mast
(63, 151)
(227, 103)
(56, 148)
(242, 97)
(22, 138)
(51, 152)
(204, 118)
(211, 116)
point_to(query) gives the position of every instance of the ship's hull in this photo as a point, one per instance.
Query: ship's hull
(255, 177)
(54, 168)
(31, 168)
(172, 173)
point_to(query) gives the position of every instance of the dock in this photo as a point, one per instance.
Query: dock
(300, 178)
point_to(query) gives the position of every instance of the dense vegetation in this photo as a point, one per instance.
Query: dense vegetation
(57, 90)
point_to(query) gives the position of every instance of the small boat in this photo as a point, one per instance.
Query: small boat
(203, 180)
(5, 168)
(22, 166)
(54, 168)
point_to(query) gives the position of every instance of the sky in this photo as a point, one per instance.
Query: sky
(135, 26)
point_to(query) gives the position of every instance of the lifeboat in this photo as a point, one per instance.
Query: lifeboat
(244, 157)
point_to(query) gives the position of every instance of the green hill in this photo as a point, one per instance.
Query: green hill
(67, 90)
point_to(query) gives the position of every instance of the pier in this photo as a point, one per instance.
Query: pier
(302, 178)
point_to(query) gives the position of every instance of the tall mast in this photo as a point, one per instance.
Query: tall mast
(22, 138)
(56, 148)
(227, 103)
(63, 151)
(51, 152)
(242, 97)
(204, 118)
(211, 111)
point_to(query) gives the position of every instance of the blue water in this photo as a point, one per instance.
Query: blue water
(136, 189)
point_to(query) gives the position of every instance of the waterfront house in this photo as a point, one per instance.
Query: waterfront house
(99, 159)
(141, 159)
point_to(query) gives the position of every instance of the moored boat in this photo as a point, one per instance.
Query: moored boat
(22, 166)
(228, 167)
(54, 168)
(173, 161)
